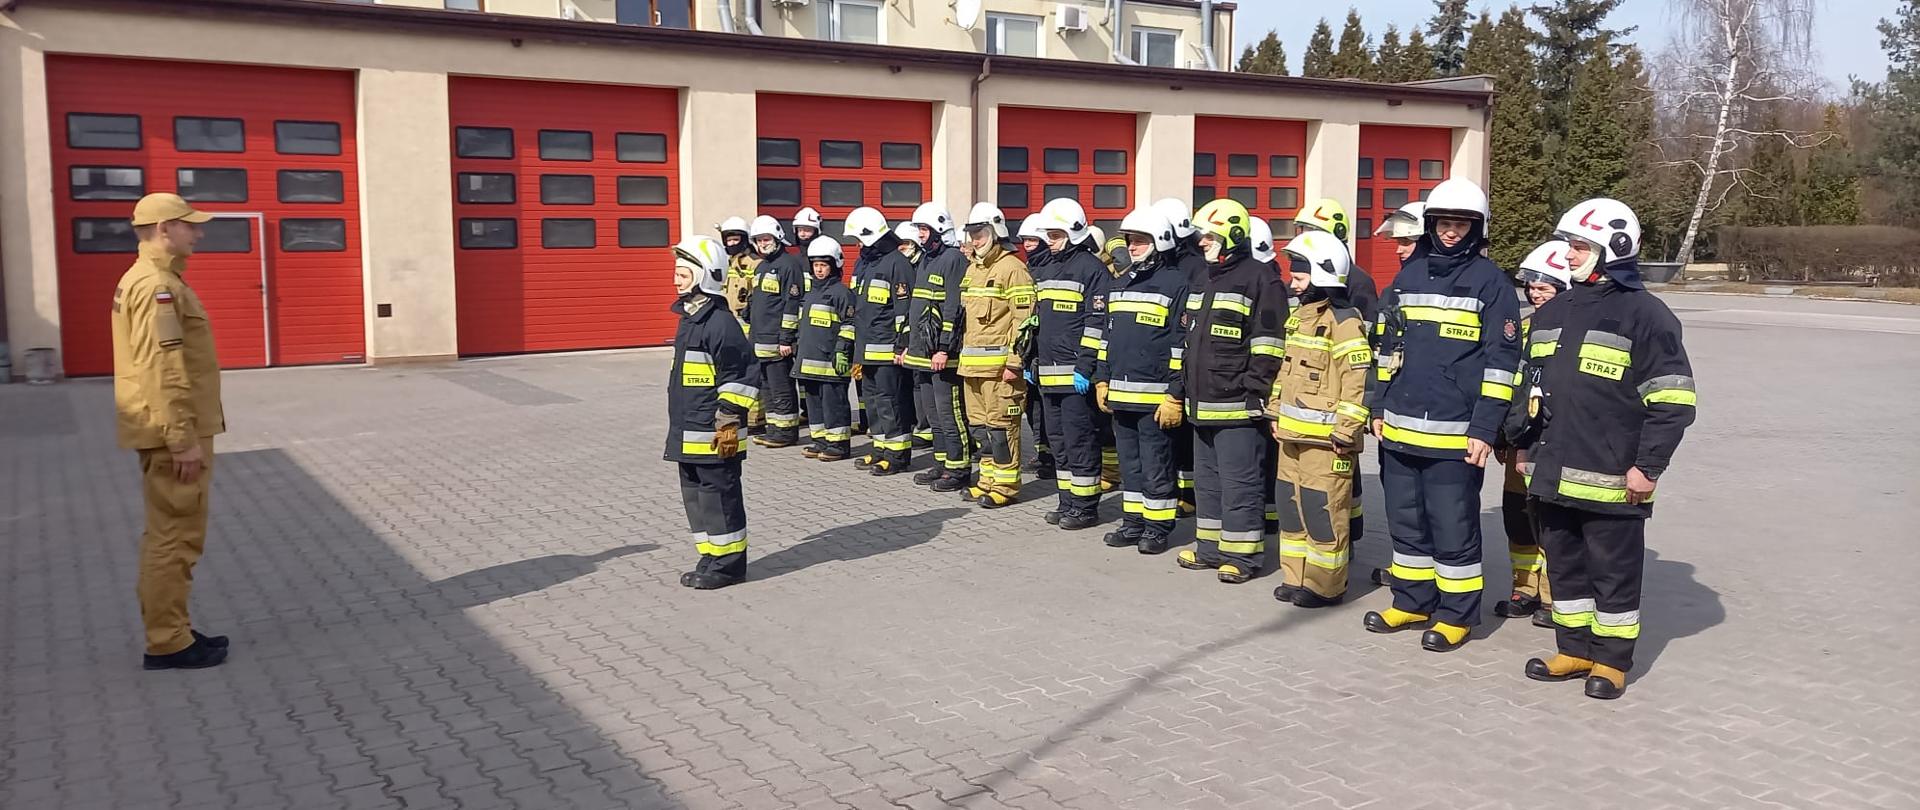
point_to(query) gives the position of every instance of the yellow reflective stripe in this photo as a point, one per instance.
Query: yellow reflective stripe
(1060, 295)
(1358, 412)
(871, 354)
(1627, 631)
(789, 321)
(1496, 390)
(1233, 306)
(1671, 396)
(928, 295)
(1440, 315)
(1304, 428)
(1468, 585)
(698, 448)
(1056, 379)
(738, 399)
(1582, 619)
(1293, 548)
(1345, 346)
(1137, 306)
(1331, 562)
(1589, 492)
(722, 550)
(1135, 397)
(1437, 441)
(1605, 354)
(1310, 342)
(1402, 572)
(1543, 349)
(1527, 562)
(1265, 349)
(1089, 342)
(1249, 547)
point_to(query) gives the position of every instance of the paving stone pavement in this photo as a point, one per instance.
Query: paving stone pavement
(455, 587)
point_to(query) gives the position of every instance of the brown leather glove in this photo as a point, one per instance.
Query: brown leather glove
(1169, 415)
(726, 441)
(1100, 396)
(857, 371)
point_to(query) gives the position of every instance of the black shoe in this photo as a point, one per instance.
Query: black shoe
(811, 451)
(865, 461)
(707, 580)
(1600, 688)
(1121, 537)
(1079, 519)
(1052, 517)
(1376, 623)
(831, 454)
(1537, 670)
(994, 500)
(885, 467)
(772, 442)
(1436, 641)
(217, 642)
(972, 494)
(927, 476)
(1517, 606)
(1285, 593)
(1379, 576)
(949, 483)
(198, 655)
(755, 430)
(1186, 509)
(1151, 543)
(1543, 618)
(1306, 598)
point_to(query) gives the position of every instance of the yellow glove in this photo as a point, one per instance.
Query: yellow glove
(1100, 396)
(857, 372)
(1169, 414)
(726, 441)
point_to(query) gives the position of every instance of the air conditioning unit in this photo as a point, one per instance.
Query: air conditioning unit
(1069, 17)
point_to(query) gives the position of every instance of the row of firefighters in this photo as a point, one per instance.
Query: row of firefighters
(1201, 372)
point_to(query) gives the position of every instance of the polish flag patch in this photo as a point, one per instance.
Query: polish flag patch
(162, 297)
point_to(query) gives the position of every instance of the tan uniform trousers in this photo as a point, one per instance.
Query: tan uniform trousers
(993, 409)
(1314, 498)
(171, 545)
(1523, 540)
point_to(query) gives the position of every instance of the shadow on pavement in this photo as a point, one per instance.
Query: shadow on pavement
(521, 577)
(1681, 604)
(856, 542)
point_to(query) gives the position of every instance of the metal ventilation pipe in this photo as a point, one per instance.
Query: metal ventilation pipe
(1206, 33)
(726, 15)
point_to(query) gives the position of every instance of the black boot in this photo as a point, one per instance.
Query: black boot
(1379, 576)
(927, 476)
(1543, 618)
(1286, 593)
(1152, 543)
(1052, 517)
(708, 580)
(811, 451)
(1516, 606)
(1306, 598)
(1078, 519)
(1606, 683)
(1127, 535)
(198, 655)
(886, 466)
(949, 483)
(219, 642)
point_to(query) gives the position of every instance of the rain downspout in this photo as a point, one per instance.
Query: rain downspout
(726, 15)
(979, 124)
(1206, 33)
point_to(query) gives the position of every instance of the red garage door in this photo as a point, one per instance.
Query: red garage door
(837, 154)
(1047, 153)
(566, 198)
(1253, 160)
(1397, 164)
(269, 149)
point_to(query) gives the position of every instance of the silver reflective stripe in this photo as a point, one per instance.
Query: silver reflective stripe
(744, 390)
(729, 537)
(1669, 382)
(1425, 425)
(1138, 387)
(1179, 352)
(697, 436)
(1240, 537)
(1621, 342)
(1494, 375)
(1207, 523)
(1151, 298)
(879, 347)
(1308, 415)
(1267, 341)
(699, 357)
(1590, 478)
(1441, 301)
(1053, 371)
(1085, 480)
(1133, 497)
(1412, 560)
(983, 351)
(1075, 286)
(1094, 332)
(1194, 299)
(1571, 606)
(1629, 618)
(1233, 298)
(1544, 335)
(1457, 571)
(762, 347)
(1160, 503)
(1221, 406)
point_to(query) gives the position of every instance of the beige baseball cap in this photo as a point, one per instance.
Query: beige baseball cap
(156, 208)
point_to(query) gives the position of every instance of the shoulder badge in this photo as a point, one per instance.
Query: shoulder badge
(900, 289)
(1512, 330)
(163, 297)
(793, 290)
(1099, 303)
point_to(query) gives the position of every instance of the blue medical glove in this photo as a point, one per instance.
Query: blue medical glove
(1080, 383)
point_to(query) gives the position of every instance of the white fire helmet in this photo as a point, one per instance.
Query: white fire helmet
(704, 256)
(1547, 264)
(1326, 256)
(1151, 223)
(866, 225)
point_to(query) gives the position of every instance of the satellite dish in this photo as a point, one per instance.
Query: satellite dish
(966, 14)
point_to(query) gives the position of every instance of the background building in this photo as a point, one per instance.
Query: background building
(407, 184)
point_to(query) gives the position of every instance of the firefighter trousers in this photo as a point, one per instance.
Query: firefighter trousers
(993, 409)
(1230, 486)
(1037, 420)
(888, 396)
(1076, 449)
(1523, 539)
(1183, 462)
(1147, 483)
(1109, 449)
(778, 398)
(1433, 514)
(1596, 562)
(941, 402)
(176, 534)
(717, 515)
(834, 428)
(1314, 493)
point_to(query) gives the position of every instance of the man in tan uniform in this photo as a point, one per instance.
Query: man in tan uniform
(166, 388)
(996, 299)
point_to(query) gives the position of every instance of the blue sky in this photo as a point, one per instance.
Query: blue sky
(1845, 41)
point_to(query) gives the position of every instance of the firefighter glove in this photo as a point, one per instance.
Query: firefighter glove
(857, 371)
(1100, 396)
(1081, 383)
(726, 441)
(1168, 415)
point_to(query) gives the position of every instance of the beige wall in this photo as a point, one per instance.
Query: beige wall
(930, 24)
(406, 193)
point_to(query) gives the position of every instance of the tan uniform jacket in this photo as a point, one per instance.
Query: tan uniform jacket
(166, 377)
(1319, 393)
(997, 297)
(740, 271)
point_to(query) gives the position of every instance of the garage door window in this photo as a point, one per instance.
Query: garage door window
(566, 189)
(640, 147)
(1055, 191)
(1012, 195)
(1243, 165)
(306, 137)
(1245, 195)
(1365, 171)
(1363, 199)
(1393, 197)
(213, 185)
(483, 188)
(777, 192)
(1203, 195)
(1283, 198)
(563, 144)
(1205, 164)
(209, 135)
(313, 235)
(840, 155)
(1109, 196)
(104, 235)
(1013, 158)
(643, 233)
(566, 233)
(1396, 168)
(1061, 161)
(483, 142)
(1432, 169)
(311, 186)
(226, 235)
(842, 193)
(107, 183)
(1109, 161)
(643, 190)
(902, 193)
(489, 234)
(779, 152)
(1283, 166)
(99, 131)
(899, 156)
